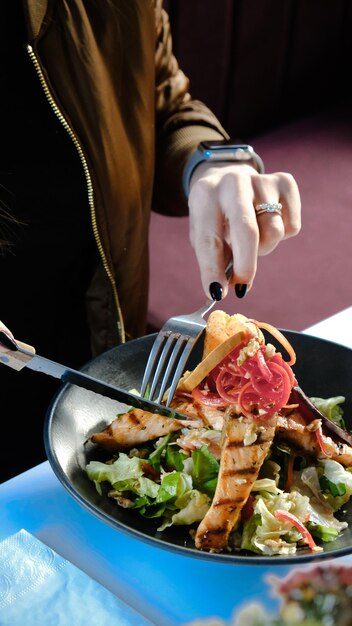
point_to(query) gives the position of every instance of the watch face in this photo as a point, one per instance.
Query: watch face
(223, 145)
(226, 151)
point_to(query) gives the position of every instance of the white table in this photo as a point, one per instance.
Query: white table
(165, 587)
(337, 328)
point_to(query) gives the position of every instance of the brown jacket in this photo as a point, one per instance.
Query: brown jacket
(109, 73)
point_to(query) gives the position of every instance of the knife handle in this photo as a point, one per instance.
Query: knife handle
(16, 353)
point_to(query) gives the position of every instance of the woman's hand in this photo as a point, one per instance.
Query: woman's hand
(4, 329)
(224, 225)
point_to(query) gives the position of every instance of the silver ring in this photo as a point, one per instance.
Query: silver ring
(268, 207)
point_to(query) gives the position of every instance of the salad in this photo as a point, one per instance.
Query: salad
(246, 470)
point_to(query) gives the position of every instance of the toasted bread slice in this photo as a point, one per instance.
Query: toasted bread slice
(221, 326)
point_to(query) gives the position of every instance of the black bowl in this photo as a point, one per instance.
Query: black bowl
(323, 369)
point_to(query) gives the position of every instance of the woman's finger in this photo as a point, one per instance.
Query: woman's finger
(208, 238)
(5, 330)
(278, 209)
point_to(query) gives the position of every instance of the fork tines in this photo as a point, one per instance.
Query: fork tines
(170, 351)
(166, 363)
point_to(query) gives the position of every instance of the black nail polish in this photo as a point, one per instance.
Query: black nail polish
(241, 290)
(215, 290)
(7, 341)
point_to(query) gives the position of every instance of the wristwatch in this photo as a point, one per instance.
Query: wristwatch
(223, 151)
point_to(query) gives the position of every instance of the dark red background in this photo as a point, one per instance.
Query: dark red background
(278, 75)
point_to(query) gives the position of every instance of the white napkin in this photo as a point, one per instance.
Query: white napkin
(37, 586)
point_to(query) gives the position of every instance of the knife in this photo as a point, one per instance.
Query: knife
(19, 355)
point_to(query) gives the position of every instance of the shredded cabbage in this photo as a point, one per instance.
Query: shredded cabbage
(264, 533)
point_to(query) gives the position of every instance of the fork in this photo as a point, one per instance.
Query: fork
(170, 351)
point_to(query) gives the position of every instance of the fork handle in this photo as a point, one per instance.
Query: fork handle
(229, 270)
(206, 307)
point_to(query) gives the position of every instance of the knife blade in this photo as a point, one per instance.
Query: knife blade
(19, 355)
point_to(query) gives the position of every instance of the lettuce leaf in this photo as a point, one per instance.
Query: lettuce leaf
(173, 485)
(155, 457)
(125, 474)
(192, 505)
(205, 470)
(325, 533)
(335, 483)
(264, 533)
(174, 458)
(330, 407)
(320, 510)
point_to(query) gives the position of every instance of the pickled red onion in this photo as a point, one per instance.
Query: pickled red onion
(208, 398)
(260, 385)
(289, 517)
(319, 436)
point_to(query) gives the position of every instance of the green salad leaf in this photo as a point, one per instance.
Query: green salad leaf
(335, 483)
(155, 457)
(205, 470)
(124, 474)
(330, 407)
(325, 533)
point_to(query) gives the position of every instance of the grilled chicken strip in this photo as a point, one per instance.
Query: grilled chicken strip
(210, 415)
(186, 406)
(245, 446)
(136, 427)
(294, 429)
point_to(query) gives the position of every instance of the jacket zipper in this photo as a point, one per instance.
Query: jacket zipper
(88, 178)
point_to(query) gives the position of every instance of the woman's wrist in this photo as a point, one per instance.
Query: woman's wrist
(220, 152)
